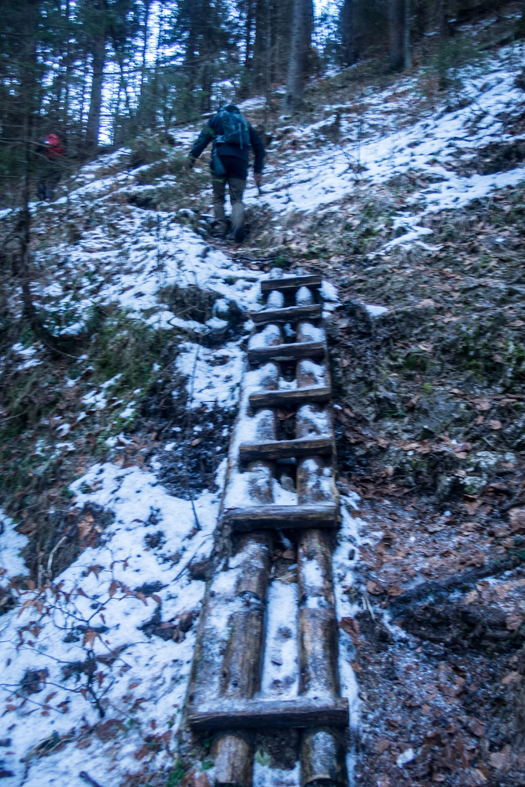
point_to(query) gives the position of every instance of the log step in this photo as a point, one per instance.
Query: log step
(291, 517)
(287, 352)
(251, 714)
(298, 396)
(291, 283)
(313, 311)
(286, 449)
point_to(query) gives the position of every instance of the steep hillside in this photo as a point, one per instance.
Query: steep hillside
(115, 423)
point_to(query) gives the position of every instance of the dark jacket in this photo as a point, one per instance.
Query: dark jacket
(226, 151)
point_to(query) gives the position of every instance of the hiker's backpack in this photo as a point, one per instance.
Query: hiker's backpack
(236, 129)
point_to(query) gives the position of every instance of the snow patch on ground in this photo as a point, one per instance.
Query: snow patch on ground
(213, 376)
(76, 649)
(11, 545)
(432, 146)
(345, 560)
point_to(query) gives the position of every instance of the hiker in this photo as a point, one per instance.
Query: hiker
(232, 137)
(52, 153)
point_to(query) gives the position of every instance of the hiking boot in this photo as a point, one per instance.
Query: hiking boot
(238, 235)
(219, 229)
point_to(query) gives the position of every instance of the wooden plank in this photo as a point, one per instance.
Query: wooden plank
(291, 283)
(233, 757)
(313, 395)
(322, 757)
(286, 352)
(255, 714)
(286, 449)
(312, 311)
(270, 517)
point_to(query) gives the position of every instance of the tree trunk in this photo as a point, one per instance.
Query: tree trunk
(246, 75)
(521, 24)
(142, 110)
(98, 51)
(261, 45)
(406, 37)
(347, 33)
(443, 21)
(399, 34)
(69, 72)
(248, 34)
(29, 88)
(301, 42)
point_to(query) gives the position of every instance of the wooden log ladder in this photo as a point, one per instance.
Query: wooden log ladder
(224, 691)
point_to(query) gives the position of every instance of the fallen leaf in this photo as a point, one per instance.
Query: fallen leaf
(471, 597)
(514, 621)
(412, 403)
(375, 588)
(95, 570)
(477, 728)
(483, 406)
(382, 745)
(394, 590)
(141, 753)
(425, 303)
(85, 526)
(517, 518)
(495, 425)
(510, 677)
(351, 627)
(90, 636)
(480, 776)
(499, 759)
(196, 441)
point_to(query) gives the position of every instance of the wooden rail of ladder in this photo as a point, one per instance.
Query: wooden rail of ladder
(227, 666)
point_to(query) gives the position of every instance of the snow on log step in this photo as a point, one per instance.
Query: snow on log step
(296, 396)
(284, 352)
(291, 283)
(286, 449)
(250, 714)
(274, 516)
(312, 311)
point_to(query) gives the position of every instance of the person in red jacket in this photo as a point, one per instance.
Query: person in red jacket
(52, 155)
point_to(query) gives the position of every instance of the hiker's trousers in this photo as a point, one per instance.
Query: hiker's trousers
(236, 187)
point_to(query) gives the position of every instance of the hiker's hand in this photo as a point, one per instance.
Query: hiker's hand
(257, 176)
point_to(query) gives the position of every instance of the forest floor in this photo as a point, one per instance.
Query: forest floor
(410, 202)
